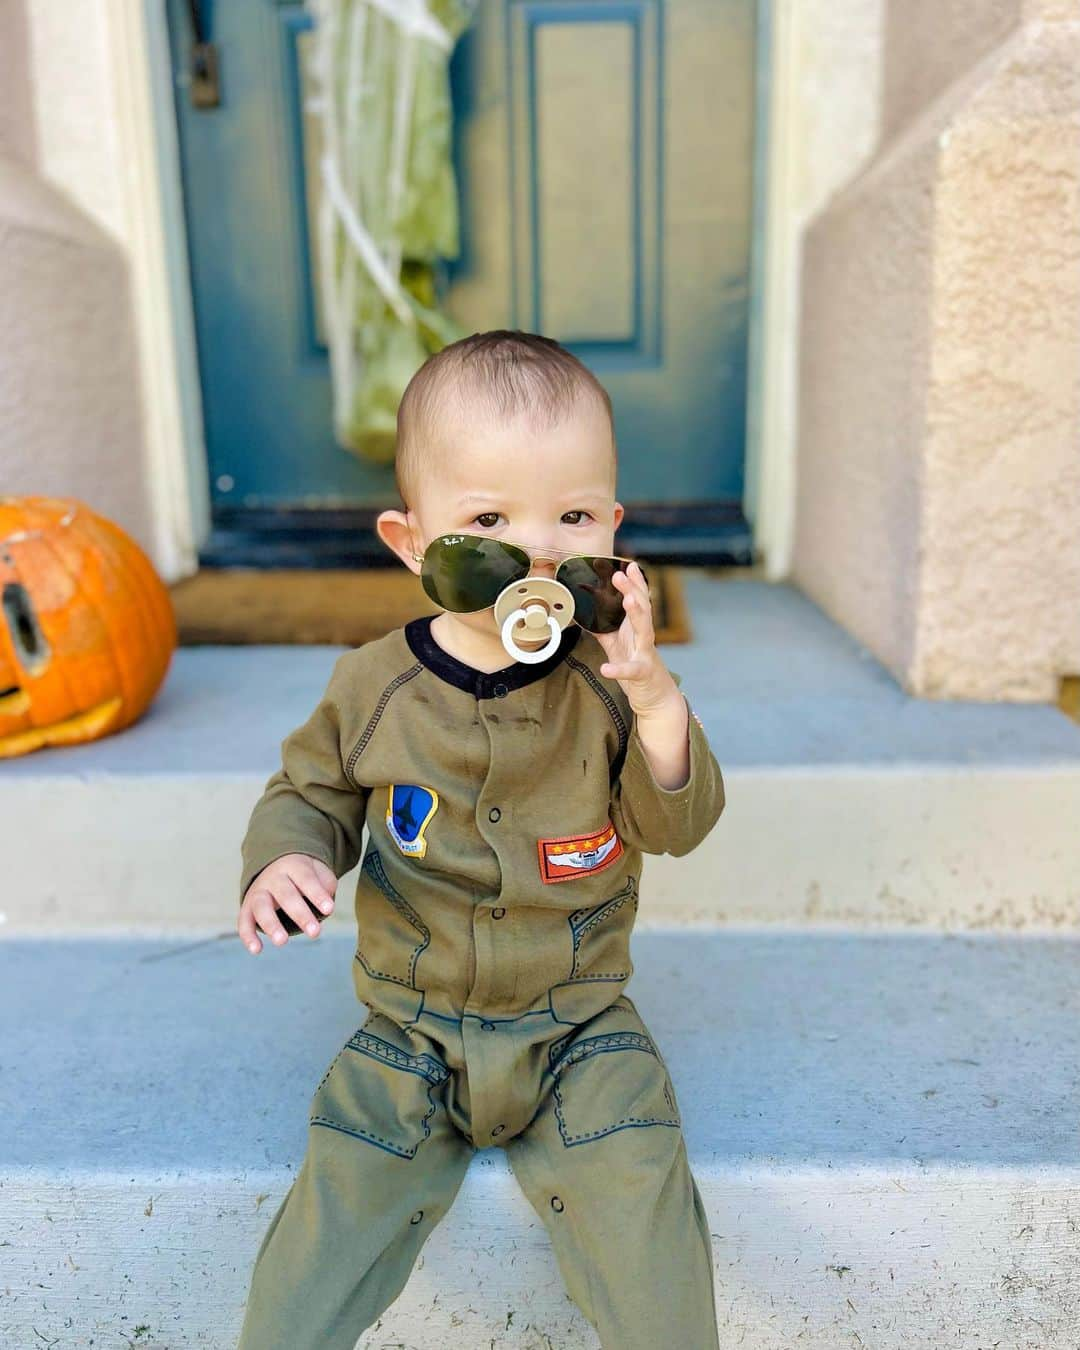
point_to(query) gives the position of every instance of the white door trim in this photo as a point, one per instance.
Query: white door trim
(769, 498)
(177, 487)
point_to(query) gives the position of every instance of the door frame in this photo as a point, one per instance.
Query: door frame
(178, 484)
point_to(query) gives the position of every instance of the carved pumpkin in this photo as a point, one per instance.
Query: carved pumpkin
(87, 629)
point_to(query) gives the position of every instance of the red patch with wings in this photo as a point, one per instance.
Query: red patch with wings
(575, 855)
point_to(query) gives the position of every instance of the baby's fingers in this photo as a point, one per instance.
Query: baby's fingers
(291, 899)
(316, 882)
(264, 912)
(245, 926)
(324, 875)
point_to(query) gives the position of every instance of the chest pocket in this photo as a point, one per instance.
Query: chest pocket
(600, 935)
(390, 934)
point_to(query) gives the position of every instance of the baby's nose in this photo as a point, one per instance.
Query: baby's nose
(543, 566)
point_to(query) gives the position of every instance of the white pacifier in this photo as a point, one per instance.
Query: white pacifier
(529, 608)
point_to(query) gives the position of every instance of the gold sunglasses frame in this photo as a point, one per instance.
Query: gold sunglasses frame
(565, 554)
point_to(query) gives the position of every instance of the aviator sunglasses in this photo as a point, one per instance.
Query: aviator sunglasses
(468, 572)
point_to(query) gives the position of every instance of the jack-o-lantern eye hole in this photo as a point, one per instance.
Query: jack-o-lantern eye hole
(26, 634)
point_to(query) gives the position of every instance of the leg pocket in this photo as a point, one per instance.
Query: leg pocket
(609, 1075)
(379, 1089)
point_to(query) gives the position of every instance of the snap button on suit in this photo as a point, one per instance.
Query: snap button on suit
(507, 815)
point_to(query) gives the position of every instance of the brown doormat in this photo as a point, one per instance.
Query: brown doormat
(236, 605)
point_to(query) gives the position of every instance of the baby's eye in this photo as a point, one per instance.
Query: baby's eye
(487, 519)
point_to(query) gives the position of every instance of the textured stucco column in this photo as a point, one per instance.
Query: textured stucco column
(70, 409)
(938, 498)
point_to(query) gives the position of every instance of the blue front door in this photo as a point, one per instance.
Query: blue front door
(604, 156)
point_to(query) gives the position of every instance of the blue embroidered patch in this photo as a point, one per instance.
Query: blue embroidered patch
(409, 808)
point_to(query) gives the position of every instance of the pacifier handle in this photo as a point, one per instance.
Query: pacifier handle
(537, 602)
(516, 652)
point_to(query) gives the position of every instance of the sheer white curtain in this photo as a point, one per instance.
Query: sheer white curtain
(380, 83)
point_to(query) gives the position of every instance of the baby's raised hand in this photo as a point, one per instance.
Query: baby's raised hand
(631, 651)
(285, 884)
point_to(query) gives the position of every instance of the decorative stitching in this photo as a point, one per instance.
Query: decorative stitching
(374, 1138)
(582, 920)
(602, 912)
(626, 1123)
(423, 1065)
(358, 955)
(426, 1066)
(373, 866)
(555, 1047)
(613, 709)
(330, 1070)
(582, 982)
(373, 721)
(611, 1041)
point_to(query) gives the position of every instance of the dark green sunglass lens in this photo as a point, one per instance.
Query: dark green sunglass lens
(465, 573)
(598, 606)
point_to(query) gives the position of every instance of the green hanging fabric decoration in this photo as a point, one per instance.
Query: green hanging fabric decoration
(388, 208)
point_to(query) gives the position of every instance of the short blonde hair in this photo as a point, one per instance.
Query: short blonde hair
(507, 372)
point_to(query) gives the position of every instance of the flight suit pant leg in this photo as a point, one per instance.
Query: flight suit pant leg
(604, 1165)
(383, 1164)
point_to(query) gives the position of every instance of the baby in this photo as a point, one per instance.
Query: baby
(508, 802)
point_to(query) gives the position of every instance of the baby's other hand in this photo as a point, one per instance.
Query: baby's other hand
(284, 884)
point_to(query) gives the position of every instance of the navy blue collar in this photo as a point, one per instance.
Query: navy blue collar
(482, 683)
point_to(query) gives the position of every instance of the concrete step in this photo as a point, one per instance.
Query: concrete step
(882, 1126)
(848, 801)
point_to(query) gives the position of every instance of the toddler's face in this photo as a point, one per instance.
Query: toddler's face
(549, 487)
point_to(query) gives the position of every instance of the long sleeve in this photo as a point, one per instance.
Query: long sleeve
(309, 805)
(659, 820)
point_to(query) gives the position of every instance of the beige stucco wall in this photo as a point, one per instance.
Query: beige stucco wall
(16, 91)
(929, 44)
(938, 473)
(70, 410)
(837, 97)
(78, 149)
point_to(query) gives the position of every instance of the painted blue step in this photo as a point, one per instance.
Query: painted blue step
(882, 1126)
(849, 803)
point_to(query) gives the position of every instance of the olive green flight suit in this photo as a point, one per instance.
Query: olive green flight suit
(507, 814)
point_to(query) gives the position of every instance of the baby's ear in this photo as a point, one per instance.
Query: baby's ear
(392, 527)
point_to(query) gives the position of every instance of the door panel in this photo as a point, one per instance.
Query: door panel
(604, 156)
